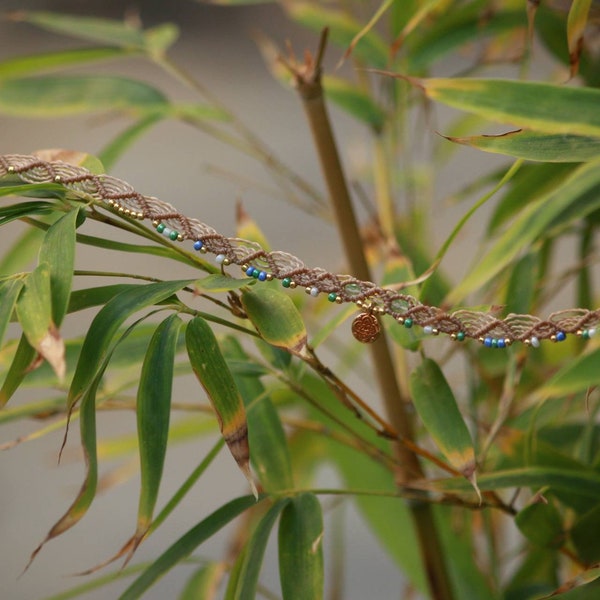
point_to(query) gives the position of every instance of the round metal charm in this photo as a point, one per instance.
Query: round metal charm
(366, 327)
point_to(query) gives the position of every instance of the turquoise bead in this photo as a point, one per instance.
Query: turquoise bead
(286, 282)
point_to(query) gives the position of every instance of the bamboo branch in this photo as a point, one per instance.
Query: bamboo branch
(308, 83)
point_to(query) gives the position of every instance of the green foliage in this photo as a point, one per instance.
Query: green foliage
(523, 419)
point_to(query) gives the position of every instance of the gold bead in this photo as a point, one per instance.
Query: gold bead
(11, 169)
(269, 277)
(57, 178)
(292, 284)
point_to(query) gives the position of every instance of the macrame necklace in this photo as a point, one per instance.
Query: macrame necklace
(257, 263)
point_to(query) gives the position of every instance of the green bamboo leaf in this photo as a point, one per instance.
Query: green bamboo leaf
(437, 408)
(215, 377)
(464, 24)
(536, 575)
(576, 376)
(301, 549)
(10, 187)
(584, 536)
(87, 492)
(541, 524)
(222, 283)
(533, 222)
(532, 145)
(50, 61)
(9, 292)
(576, 23)
(247, 572)
(459, 546)
(159, 39)
(186, 544)
(106, 324)
(269, 451)
(531, 182)
(67, 95)
(585, 484)
(58, 251)
(94, 29)
(543, 107)
(276, 318)
(110, 154)
(34, 311)
(354, 101)
(203, 583)
(24, 209)
(153, 411)
(585, 591)
(96, 296)
(19, 367)
(342, 30)
(395, 534)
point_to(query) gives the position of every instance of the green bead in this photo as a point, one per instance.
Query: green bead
(286, 282)
(173, 235)
(460, 336)
(585, 334)
(332, 297)
(352, 289)
(160, 227)
(408, 323)
(255, 273)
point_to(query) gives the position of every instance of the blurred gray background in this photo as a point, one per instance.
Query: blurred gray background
(172, 162)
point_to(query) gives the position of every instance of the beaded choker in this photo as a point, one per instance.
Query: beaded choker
(257, 263)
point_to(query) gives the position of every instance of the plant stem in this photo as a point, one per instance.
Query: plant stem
(308, 82)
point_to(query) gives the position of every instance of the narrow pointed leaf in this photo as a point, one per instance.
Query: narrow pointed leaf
(96, 296)
(153, 410)
(301, 549)
(531, 145)
(22, 362)
(222, 283)
(276, 318)
(354, 101)
(541, 524)
(106, 324)
(50, 61)
(24, 209)
(269, 450)
(111, 153)
(204, 582)
(186, 544)
(582, 483)
(342, 30)
(437, 408)
(104, 31)
(584, 536)
(215, 377)
(576, 23)
(543, 107)
(533, 222)
(577, 375)
(159, 39)
(246, 581)
(67, 95)
(87, 492)
(34, 311)
(9, 292)
(58, 251)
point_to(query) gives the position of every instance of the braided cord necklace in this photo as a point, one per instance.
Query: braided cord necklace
(261, 265)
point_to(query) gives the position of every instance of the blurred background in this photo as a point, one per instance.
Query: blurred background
(192, 171)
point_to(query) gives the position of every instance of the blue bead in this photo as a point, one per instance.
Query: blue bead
(262, 276)
(250, 271)
(198, 245)
(561, 336)
(487, 342)
(501, 344)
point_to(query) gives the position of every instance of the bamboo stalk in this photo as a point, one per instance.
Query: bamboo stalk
(308, 83)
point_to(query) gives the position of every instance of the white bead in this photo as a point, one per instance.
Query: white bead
(428, 329)
(166, 232)
(314, 292)
(220, 258)
(535, 342)
(592, 332)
